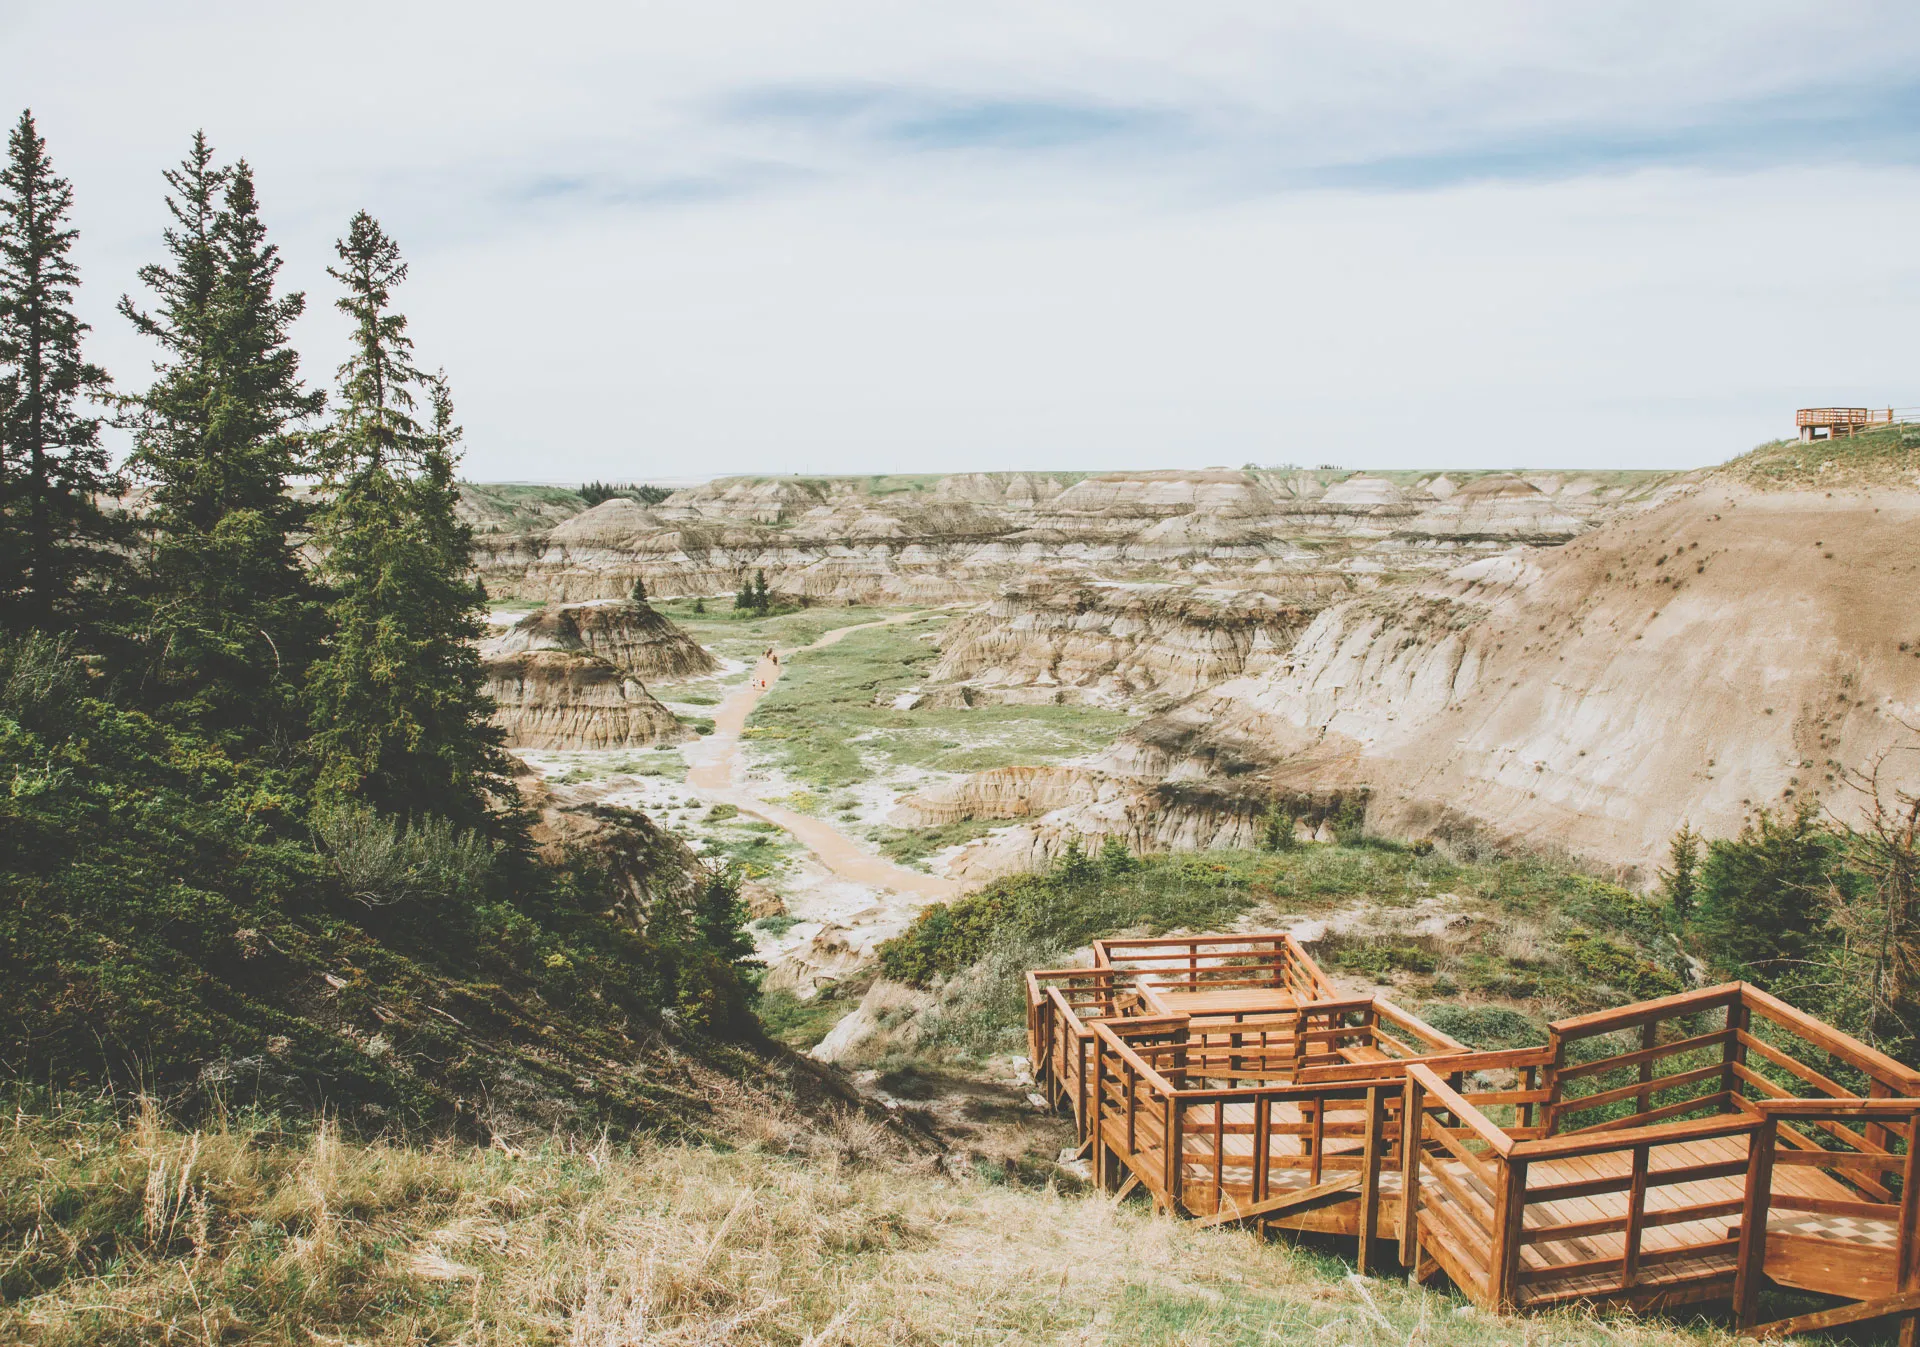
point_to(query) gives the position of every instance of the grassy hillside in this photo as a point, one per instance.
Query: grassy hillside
(244, 1232)
(1889, 457)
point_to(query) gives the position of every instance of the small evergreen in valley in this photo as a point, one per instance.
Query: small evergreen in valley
(55, 538)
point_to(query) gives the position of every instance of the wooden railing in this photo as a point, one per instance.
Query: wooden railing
(1645, 1204)
(1135, 1123)
(1480, 1200)
(1217, 963)
(1453, 1185)
(1061, 1003)
(1753, 1047)
(1873, 1183)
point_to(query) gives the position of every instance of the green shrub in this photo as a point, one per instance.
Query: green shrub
(1487, 1028)
(1764, 895)
(1350, 823)
(1379, 959)
(1605, 961)
(382, 860)
(1277, 830)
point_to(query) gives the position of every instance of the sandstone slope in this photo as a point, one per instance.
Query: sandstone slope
(1737, 648)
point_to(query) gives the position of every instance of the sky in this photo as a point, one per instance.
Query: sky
(671, 240)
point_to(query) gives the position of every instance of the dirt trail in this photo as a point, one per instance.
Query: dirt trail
(715, 766)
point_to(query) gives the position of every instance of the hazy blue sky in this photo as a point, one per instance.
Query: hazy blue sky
(774, 235)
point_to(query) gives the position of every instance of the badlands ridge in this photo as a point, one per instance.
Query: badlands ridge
(1577, 661)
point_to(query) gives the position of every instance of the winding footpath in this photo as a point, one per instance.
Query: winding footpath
(716, 770)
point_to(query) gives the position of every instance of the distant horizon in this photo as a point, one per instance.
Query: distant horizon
(625, 480)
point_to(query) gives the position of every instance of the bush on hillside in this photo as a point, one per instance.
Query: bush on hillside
(381, 860)
(1764, 895)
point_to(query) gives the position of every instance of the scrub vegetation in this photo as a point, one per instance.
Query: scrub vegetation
(831, 720)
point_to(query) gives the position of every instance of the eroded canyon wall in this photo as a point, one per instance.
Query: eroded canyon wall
(941, 539)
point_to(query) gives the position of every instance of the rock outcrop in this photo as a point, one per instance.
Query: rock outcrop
(1002, 793)
(630, 636)
(570, 676)
(1119, 645)
(564, 699)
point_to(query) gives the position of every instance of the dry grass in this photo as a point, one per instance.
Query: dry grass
(142, 1233)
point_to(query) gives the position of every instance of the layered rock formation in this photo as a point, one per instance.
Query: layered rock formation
(925, 540)
(1736, 648)
(1119, 645)
(557, 699)
(630, 636)
(570, 677)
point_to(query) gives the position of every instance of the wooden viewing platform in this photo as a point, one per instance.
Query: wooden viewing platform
(1668, 1153)
(1830, 423)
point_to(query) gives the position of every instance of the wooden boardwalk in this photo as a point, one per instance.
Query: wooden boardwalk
(1680, 1151)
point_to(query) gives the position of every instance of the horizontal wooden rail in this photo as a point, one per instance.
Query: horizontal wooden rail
(1643, 1012)
(1902, 1080)
(1657, 1134)
(1498, 1141)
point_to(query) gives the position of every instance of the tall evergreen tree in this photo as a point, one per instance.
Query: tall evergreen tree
(53, 467)
(399, 712)
(233, 617)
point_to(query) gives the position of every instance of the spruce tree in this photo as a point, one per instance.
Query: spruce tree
(1276, 832)
(399, 714)
(1680, 880)
(233, 618)
(54, 534)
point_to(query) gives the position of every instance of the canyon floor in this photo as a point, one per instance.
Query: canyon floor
(807, 740)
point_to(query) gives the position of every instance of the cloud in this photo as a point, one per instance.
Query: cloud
(948, 120)
(1875, 123)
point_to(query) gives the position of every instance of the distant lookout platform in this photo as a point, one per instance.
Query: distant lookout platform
(1831, 423)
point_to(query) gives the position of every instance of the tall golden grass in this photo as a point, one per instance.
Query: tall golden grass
(133, 1231)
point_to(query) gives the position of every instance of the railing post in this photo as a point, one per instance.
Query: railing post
(1636, 1215)
(1095, 1115)
(1080, 1084)
(1133, 1098)
(1739, 1021)
(1316, 1143)
(1369, 1181)
(1907, 1250)
(1550, 1077)
(1262, 1145)
(1649, 1038)
(1413, 1127)
(1509, 1208)
(1752, 1264)
(1170, 1124)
